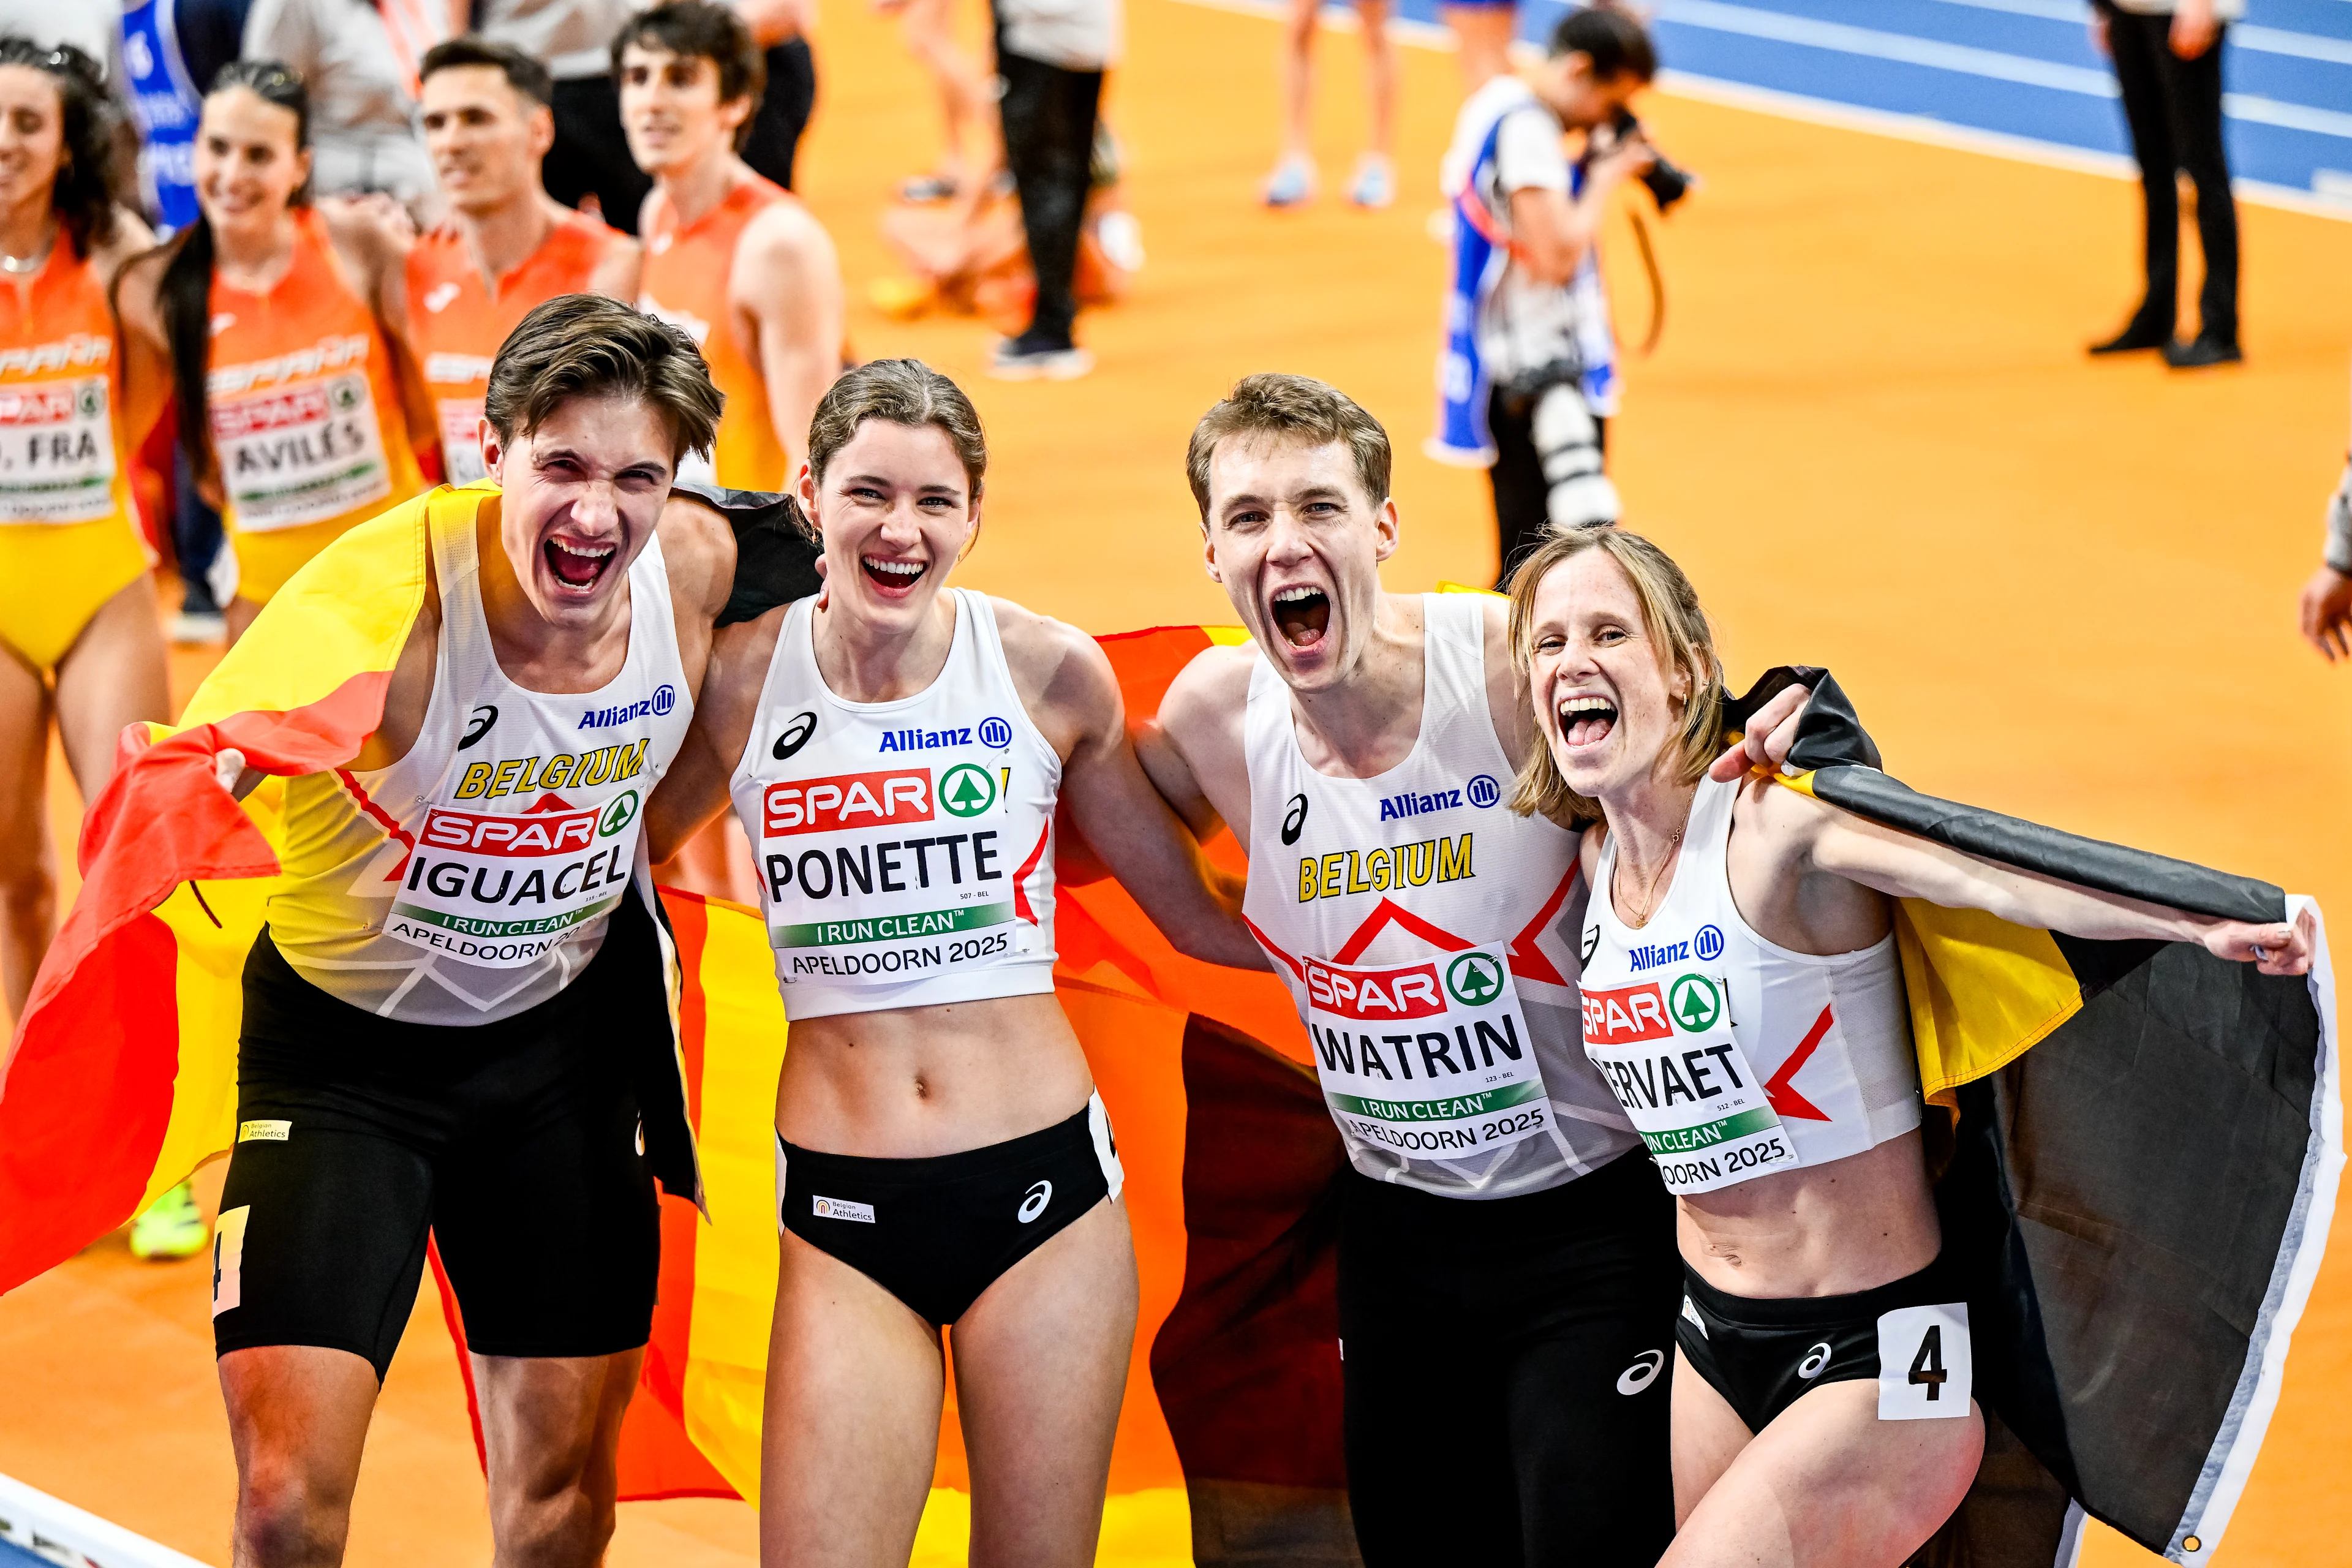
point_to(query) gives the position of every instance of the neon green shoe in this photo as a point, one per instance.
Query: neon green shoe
(172, 1228)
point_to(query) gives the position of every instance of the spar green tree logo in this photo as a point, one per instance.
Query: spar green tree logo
(1695, 1002)
(966, 790)
(618, 814)
(1473, 979)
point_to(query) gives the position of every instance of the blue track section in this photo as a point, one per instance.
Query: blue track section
(2021, 68)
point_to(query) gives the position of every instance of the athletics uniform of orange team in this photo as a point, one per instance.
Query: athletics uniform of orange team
(732, 259)
(509, 246)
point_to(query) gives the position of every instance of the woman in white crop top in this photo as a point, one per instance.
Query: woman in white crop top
(895, 750)
(1739, 948)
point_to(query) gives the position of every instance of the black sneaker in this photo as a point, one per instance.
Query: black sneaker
(2204, 350)
(1033, 356)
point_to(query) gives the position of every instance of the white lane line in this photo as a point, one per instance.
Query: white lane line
(2242, 34)
(1838, 37)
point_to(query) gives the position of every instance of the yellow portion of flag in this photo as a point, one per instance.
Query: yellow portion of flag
(346, 613)
(1149, 1529)
(735, 1254)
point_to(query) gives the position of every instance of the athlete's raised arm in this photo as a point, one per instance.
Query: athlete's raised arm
(695, 789)
(786, 291)
(1817, 839)
(372, 236)
(1192, 748)
(1065, 680)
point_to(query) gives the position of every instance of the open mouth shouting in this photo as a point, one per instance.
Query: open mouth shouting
(1586, 720)
(578, 568)
(1302, 613)
(893, 579)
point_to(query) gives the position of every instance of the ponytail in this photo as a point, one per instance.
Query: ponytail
(184, 298)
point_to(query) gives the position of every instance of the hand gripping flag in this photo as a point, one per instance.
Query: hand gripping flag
(2137, 1171)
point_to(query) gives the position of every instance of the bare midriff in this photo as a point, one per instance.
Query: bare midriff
(912, 1082)
(1823, 1230)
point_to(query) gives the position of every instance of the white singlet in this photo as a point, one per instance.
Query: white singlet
(1735, 1057)
(1428, 936)
(906, 847)
(471, 879)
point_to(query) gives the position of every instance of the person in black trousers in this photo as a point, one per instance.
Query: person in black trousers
(1051, 60)
(2168, 60)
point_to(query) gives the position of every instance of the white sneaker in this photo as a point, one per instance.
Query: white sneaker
(199, 628)
(1013, 362)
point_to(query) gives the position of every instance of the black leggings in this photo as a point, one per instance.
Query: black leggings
(2173, 109)
(1049, 140)
(1506, 1367)
(1522, 494)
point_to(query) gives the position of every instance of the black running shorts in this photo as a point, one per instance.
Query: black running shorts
(516, 1143)
(1763, 1354)
(937, 1233)
(1507, 1368)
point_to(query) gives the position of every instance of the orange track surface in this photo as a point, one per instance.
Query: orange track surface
(2062, 589)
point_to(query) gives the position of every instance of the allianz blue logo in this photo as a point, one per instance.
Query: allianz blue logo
(1483, 792)
(995, 734)
(1643, 958)
(664, 699)
(1708, 944)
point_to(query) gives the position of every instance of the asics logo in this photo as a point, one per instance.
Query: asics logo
(1642, 1373)
(1293, 821)
(1815, 1361)
(796, 734)
(477, 724)
(1035, 1204)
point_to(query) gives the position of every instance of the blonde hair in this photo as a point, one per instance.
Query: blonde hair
(1677, 628)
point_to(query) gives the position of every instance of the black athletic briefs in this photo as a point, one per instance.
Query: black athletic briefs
(1506, 1367)
(936, 1233)
(1764, 1353)
(517, 1143)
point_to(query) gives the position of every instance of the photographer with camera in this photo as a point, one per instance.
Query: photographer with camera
(1528, 377)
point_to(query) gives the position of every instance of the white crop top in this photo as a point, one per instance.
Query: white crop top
(1735, 1057)
(1428, 936)
(471, 879)
(904, 848)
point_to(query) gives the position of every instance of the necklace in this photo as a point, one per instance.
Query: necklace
(1650, 893)
(19, 266)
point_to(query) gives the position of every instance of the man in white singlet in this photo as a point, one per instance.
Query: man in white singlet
(456, 1019)
(1362, 750)
(1744, 996)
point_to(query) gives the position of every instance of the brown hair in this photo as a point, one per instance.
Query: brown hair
(525, 75)
(712, 32)
(1678, 629)
(1290, 408)
(901, 392)
(585, 346)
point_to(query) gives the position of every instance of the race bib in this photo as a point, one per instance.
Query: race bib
(461, 439)
(57, 452)
(300, 454)
(1666, 1050)
(501, 891)
(1432, 1058)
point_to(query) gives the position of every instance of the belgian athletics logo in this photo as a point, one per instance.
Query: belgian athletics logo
(619, 814)
(1692, 999)
(1473, 979)
(966, 790)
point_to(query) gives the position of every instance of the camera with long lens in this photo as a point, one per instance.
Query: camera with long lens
(1668, 183)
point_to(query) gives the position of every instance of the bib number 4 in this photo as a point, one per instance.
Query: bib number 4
(1925, 1367)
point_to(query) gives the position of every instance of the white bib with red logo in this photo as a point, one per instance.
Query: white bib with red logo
(1732, 1057)
(904, 848)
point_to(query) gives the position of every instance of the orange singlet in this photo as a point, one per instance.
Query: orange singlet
(68, 539)
(457, 327)
(686, 274)
(306, 415)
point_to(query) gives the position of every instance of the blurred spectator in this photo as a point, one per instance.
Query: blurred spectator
(1293, 181)
(359, 62)
(1051, 54)
(929, 28)
(572, 38)
(781, 28)
(93, 26)
(2168, 60)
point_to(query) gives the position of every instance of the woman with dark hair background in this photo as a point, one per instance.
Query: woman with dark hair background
(263, 321)
(78, 614)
